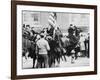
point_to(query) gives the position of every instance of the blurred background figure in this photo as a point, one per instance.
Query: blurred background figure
(82, 45)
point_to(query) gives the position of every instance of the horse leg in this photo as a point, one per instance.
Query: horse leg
(54, 60)
(42, 65)
(34, 60)
(72, 58)
(64, 57)
(76, 55)
(26, 55)
(58, 59)
(51, 61)
(61, 57)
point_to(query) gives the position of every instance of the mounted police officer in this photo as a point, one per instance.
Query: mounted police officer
(72, 42)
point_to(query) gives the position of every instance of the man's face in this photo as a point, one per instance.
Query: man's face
(72, 32)
(32, 28)
(28, 28)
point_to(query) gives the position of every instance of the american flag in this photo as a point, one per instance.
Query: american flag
(53, 21)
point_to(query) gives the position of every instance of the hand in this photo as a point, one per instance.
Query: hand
(73, 51)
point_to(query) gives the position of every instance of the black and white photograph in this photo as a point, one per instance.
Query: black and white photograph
(55, 39)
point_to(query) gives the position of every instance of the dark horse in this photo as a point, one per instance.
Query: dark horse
(29, 47)
(56, 48)
(71, 43)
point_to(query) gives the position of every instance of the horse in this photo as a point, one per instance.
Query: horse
(55, 52)
(29, 46)
(25, 45)
(70, 44)
(51, 53)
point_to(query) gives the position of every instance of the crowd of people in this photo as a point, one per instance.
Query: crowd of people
(49, 46)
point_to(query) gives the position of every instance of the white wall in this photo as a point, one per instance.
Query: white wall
(5, 40)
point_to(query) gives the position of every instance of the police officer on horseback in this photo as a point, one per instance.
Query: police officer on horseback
(73, 41)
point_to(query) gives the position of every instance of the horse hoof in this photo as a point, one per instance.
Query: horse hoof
(72, 62)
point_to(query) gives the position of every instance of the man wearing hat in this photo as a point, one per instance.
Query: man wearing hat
(72, 42)
(43, 48)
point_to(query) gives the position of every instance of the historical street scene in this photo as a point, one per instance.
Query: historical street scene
(55, 39)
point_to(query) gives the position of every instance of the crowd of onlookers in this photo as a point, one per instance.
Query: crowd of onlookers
(49, 45)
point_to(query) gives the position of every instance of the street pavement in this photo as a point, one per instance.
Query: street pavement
(80, 61)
